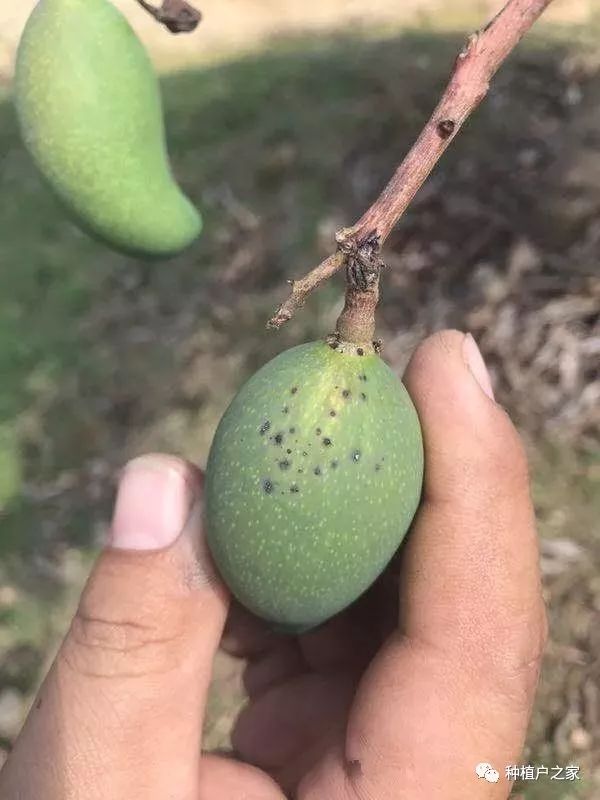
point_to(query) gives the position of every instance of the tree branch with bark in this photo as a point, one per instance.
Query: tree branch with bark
(358, 247)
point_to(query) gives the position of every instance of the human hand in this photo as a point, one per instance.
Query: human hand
(431, 672)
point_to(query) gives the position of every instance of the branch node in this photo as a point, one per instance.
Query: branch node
(363, 262)
(471, 43)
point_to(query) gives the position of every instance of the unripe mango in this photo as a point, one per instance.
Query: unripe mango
(312, 481)
(90, 111)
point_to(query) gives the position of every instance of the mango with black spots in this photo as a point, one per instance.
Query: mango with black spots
(313, 478)
(90, 112)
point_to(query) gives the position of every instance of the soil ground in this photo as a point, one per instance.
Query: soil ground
(281, 135)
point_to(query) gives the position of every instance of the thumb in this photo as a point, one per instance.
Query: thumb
(138, 655)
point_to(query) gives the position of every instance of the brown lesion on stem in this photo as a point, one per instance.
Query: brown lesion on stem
(356, 323)
(469, 82)
(177, 16)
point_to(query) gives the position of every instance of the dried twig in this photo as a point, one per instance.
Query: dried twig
(176, 15)
(476, 64)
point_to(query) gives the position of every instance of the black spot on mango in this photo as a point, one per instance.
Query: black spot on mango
(91, 116)
(299, 558)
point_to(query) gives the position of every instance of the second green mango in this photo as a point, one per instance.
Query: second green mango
(91, 115)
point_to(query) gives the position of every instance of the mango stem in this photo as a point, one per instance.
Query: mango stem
(356, 323)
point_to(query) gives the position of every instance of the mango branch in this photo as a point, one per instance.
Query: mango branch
(176, 15)
(469, 82)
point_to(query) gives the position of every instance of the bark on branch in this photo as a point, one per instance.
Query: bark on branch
(469, 82)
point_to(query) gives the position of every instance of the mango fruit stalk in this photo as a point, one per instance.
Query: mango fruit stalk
(312, 481)
(90, 111)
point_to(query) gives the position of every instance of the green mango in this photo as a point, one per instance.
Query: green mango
(90, 111)
(312, 481)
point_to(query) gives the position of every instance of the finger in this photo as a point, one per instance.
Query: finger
(277, 665)
(341, 643)
(349, 640)
(455, 686)
(245, 635)
(293, 771)
(226, 779)
(120, 713)
(286, 720)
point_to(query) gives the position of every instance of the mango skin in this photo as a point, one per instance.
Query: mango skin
(313, 479)
(90, 112)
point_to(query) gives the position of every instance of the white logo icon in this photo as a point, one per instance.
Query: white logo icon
(486, 771)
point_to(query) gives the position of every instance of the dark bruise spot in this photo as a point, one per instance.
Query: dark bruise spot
(445, 128)
(318, 431)
(355, 455)
(278, 438)
(304, 453)
(285, 409)
(268, 486)
(346, 393)
(363, 396)
(332, 413)
(39, 703)
(327, 441)
(264, 427)
(300, 471)
(360, 351)
(294, 488)
(377, 467)
(362, 377)
(285, 464)
(294, 389)
(317, 470)
(353, 768)
(292, 430)
(288, 451)
(334, 463)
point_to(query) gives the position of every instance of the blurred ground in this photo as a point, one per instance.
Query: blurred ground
(103, 357)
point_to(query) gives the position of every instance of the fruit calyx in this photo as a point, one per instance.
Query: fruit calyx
(340, 345)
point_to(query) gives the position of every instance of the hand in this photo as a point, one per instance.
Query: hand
(430, 673)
